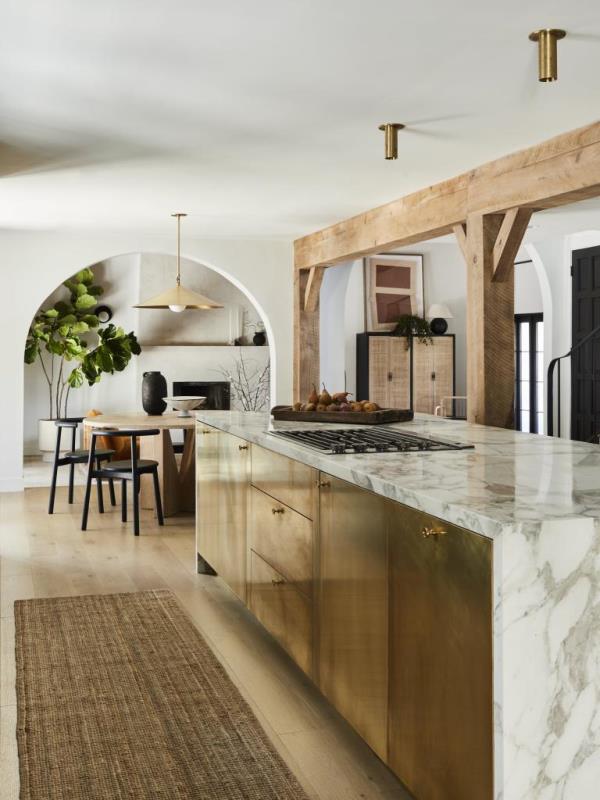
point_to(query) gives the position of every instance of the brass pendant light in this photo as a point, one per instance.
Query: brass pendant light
(547, 52)
(390, 130)
(178, 299)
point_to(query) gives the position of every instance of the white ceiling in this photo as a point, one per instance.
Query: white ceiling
(260, 119)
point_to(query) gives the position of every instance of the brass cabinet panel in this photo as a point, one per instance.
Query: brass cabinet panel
(284, 611)
(432, 358)
(283, 537)
(286, 480)
(207, 493)
(353, 607)
(440, 724)
(222, 495)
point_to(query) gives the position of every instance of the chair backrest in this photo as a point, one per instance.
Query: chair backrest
(131, 433)
(125, 432)
(68, 422)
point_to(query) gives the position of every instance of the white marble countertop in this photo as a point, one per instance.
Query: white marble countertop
(509, 478)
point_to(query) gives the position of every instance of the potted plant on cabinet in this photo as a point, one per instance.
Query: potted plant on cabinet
(73, 347)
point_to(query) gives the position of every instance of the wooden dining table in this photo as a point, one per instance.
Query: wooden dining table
(177, 480)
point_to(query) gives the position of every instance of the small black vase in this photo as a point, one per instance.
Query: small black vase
(259, 338)
(154, 388)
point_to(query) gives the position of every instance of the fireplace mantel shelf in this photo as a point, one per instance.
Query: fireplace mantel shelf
(201, 344)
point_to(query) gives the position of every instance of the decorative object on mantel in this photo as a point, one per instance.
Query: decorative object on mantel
(59, 338)
(260, 335)
(393, 288)
(185, 403)
(178, 299)
(438, 314)
(104, 314)
(250, 383)
(412, 326)
(154, 388)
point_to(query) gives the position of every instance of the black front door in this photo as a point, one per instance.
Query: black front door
(585, 361)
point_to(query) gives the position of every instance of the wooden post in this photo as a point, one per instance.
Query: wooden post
(490, 327)
(306, 337)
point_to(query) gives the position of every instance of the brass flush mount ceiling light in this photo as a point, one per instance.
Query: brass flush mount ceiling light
(390, 130)
(547, 52)
(178, 299)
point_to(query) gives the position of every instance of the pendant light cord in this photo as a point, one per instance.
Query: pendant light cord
(178, 216)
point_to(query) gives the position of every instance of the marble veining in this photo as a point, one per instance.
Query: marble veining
(508, 478)
(539, 500)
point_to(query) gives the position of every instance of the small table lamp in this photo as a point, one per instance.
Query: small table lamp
(438, 314)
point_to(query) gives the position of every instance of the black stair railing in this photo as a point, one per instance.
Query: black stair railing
(555, 365)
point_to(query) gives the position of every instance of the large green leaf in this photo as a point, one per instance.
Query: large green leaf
(85, 301)
(95, 290)
(51, 313)
(32, 351)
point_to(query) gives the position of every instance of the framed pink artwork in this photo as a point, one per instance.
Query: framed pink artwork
(393, 287)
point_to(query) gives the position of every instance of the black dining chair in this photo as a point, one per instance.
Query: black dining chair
(128, 470)
(76, 456)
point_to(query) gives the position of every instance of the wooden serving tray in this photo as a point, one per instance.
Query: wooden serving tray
(384, 415)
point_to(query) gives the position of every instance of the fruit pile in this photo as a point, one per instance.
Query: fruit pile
(339, 401)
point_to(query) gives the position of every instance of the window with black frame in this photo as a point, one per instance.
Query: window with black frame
(529, 363)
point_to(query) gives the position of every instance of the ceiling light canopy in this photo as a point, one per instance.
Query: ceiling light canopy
(177, 298)
(390, 130)
(547, 52)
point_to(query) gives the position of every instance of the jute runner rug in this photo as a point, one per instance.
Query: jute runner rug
(119, 696)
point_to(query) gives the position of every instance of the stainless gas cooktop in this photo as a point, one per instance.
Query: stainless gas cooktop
(366, 440)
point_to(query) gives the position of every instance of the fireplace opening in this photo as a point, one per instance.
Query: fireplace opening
(217, 393)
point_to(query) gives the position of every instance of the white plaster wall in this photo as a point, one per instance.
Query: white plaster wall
(528, 293)
(33, 263)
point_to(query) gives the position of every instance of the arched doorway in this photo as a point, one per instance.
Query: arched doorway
(195, 346)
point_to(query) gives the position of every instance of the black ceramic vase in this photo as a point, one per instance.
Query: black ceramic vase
(154, 388)
(259, 338)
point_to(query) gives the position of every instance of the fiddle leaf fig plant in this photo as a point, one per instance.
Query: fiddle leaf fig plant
(72, 347)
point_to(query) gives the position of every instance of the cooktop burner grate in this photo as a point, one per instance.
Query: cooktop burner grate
(360, 440)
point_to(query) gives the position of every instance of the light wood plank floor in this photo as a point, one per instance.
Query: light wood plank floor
(45, 556)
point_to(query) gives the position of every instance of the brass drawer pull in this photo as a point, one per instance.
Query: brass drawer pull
(426, 532)
(204, 432)
(242, 446)
(323, 484)
(277, 581)
(278, 510)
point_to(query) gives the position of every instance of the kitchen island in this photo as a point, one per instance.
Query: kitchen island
(447, 603)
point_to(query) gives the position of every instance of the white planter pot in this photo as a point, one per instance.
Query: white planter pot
(47, 431)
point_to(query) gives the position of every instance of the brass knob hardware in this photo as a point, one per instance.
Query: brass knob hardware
(277, 581)
(323, 484)
(204, 431)
(278, 510)
(427, 532)
(242, 446)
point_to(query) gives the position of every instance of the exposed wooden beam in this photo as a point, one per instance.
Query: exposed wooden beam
(508, 241)
(306, 340)
(313, 288)
(460, 231)
(490, 328)
(559, 171)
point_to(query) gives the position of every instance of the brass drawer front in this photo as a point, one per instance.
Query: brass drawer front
(286, 480)
(282, 537)
(284, 611)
